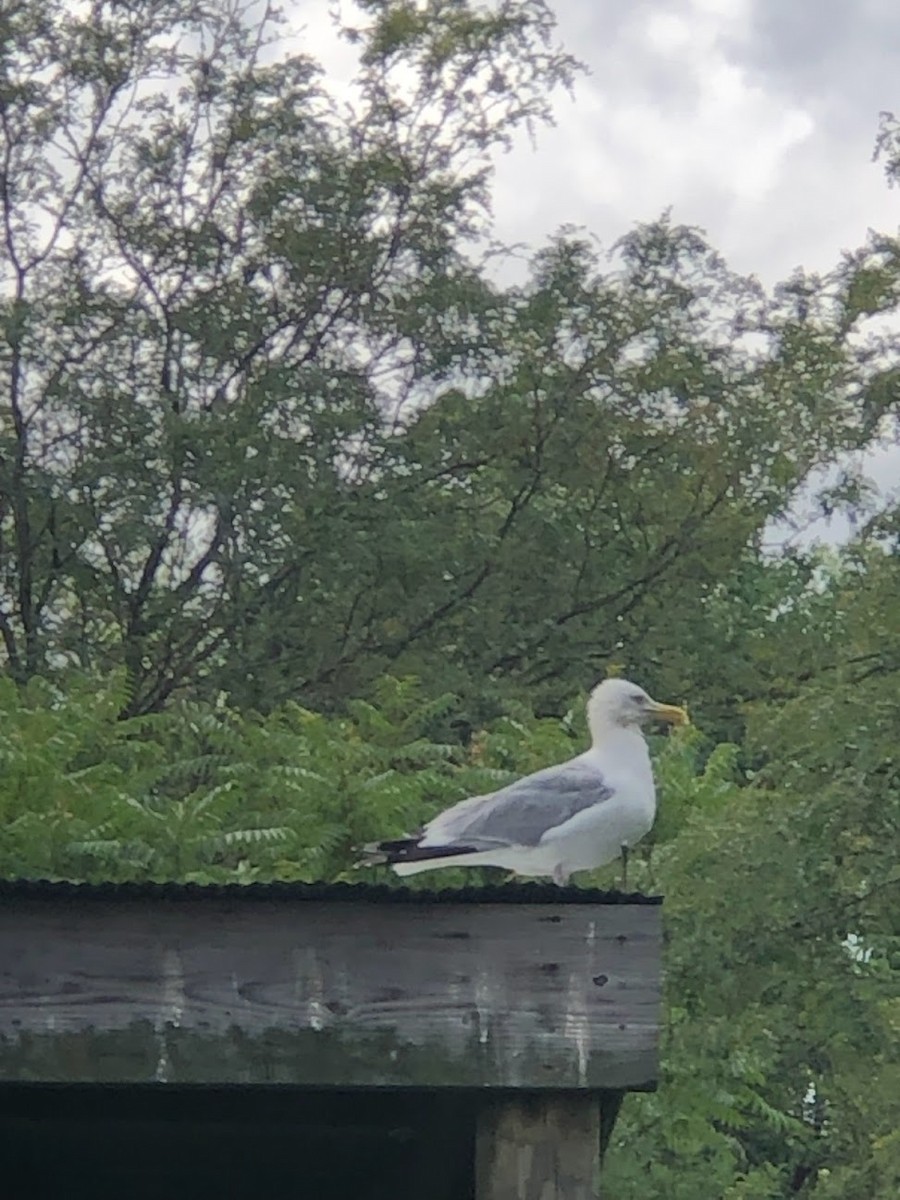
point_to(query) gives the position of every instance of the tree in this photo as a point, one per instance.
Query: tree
(781, 1068)
(269, 426)
(210, 265)
(600, 470)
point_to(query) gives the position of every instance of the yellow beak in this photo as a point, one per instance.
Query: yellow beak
(671, 714)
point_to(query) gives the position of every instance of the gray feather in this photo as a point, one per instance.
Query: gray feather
(520, 815)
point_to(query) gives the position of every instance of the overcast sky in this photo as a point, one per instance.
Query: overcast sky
(754, 119)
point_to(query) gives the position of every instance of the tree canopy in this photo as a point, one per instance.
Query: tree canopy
(271, 428)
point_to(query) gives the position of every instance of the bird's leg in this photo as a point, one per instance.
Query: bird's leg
(624, 866)
(560, 875)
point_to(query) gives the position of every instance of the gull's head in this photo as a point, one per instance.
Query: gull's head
(618, 704)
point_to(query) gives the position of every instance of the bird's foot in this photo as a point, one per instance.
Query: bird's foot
(624, 867)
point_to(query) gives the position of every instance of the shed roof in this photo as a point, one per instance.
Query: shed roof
(505, 893)
(512, 986)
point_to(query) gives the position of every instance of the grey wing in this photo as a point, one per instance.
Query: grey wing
(520, 815)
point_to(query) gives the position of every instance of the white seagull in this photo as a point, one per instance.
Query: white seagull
(572, 817)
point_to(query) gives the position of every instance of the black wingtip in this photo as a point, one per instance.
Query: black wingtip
(416, 853)
(405, 850)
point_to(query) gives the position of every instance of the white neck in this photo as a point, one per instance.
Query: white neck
(603, 731)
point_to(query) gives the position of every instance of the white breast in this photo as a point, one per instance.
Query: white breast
(596, 835)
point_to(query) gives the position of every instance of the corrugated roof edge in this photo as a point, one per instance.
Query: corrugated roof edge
(507, 893)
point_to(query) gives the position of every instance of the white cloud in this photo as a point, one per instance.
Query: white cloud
(680, 110)
(670, 116)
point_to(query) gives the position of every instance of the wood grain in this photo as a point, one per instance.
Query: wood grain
(542, 1147)
(308, 992)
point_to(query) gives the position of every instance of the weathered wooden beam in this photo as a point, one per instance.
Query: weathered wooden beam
(241, 988)
(538, 1147)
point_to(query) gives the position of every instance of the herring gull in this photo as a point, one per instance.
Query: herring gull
(572, 817)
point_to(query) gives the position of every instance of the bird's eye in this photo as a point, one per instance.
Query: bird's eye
(638, 698)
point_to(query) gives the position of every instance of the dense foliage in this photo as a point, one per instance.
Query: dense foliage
(269, 426)
(309, 527)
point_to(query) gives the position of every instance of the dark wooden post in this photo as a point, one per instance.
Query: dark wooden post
(538, 1147)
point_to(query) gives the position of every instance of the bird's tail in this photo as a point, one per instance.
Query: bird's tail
(376, 854)
(407, 851)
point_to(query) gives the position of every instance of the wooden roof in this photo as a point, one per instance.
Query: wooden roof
(517, 986)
